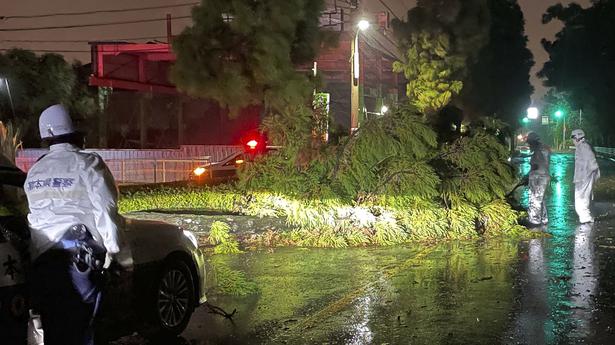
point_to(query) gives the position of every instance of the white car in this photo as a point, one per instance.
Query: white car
(156, 293)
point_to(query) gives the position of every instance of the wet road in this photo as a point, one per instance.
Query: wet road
(556, 290)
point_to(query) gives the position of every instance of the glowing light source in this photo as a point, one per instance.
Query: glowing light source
(525, 120)
(363, 24)
(520, 137)
(239, 161)
(384, 109)
(199, 171)
(252, 144)
(532, 113)
(559, 113)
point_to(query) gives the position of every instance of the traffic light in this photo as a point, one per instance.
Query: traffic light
(254, 144)
(525, 120)
(559, 113)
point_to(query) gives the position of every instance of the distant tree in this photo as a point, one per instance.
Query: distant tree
(430, 70)
(37, 82)
(479, 58)
(440, 39)
(582, 64)
(244, 52)
(498, 83)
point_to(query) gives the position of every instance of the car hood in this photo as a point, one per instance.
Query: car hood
(151, 241)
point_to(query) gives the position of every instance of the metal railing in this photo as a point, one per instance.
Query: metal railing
(153, 170)
(605, 150)
(132, 171)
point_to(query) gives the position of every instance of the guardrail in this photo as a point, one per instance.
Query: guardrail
(132, 171)
(128, 171)
(605, 150)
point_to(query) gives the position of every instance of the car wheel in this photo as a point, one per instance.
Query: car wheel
(174, 297)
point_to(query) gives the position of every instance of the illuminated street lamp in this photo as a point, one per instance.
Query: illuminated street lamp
(5, 81)
(559, 113)
(532, 113)
(384, 109)
(362, 25)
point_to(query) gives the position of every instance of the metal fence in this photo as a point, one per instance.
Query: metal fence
(135, 171)
(127, 171)
(147, 166)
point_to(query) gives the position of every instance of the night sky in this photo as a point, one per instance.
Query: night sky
(533, 10)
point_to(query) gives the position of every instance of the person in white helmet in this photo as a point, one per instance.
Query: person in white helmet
(73, 221)
(586, 172)
(538, 181)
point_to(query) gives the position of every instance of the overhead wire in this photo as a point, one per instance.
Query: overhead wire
(72, 51)
(89, 25)
(389, 9)
(84, 41)
(97, 11)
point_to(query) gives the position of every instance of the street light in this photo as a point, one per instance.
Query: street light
(5, 81)
(363, 25)
(532, 113)
(384, 109)
(355, 75)
(559, 113)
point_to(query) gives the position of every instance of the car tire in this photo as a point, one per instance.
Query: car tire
(174, 298)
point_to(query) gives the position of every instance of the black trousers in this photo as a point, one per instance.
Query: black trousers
(66, 298)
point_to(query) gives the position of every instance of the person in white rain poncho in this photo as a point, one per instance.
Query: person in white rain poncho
(538, 181)
(586, 172)
(74, 228)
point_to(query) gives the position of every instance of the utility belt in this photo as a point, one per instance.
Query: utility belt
(87, 253)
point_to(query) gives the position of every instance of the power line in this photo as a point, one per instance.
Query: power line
(89, 25)
(72, 51)
(97, 11)
(84, 41)
(389, 9)
(49, 50)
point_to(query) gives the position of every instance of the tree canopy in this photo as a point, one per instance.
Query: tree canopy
(244, 52)
(37, 82)
(472, 54)
(582, 63)
(498, 82)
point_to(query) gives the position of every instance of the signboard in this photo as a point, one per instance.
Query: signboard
(11, 267)
(545, 120)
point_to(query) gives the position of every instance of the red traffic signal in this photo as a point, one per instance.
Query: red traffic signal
(252, 144)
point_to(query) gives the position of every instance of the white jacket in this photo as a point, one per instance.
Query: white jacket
(68, 187)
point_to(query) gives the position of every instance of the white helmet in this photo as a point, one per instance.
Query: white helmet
(577, 134)
(55, 121)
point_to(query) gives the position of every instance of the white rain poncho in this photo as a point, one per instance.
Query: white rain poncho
(538, 182)
(586, 172)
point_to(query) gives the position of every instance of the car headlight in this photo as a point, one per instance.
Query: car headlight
(190, 236)
(199, 171)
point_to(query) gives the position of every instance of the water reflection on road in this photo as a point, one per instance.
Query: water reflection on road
(556, 290)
